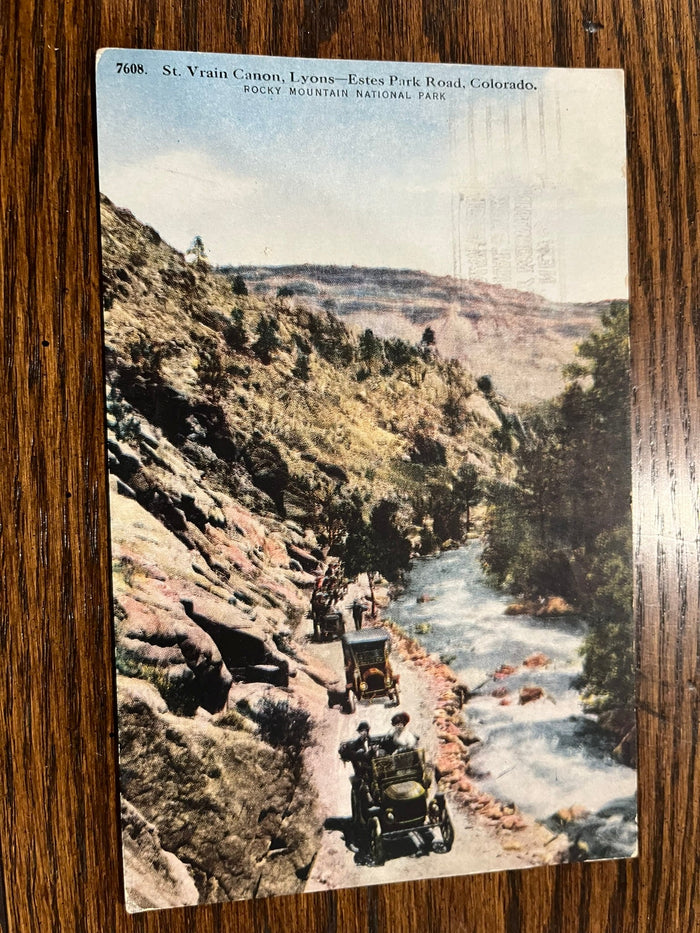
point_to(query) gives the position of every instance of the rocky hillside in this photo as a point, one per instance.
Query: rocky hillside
(235, 423)
(520, 340)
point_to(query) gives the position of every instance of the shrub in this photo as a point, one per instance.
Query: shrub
(235, 333)
(127, 426)
(268, 341)
(283, 726)
(427, 450)
(485, 385)
(212, 377)
(301, 368)
(232, 719)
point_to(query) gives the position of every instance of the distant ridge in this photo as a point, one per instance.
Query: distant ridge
(519, 339)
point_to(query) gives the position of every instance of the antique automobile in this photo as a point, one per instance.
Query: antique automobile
(368, 673)
(328, 626)
(389, 800)
(329, 622)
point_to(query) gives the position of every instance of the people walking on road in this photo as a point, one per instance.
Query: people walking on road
(358, 611)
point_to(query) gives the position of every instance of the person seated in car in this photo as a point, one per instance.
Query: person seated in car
(361, 750)
(401, 739)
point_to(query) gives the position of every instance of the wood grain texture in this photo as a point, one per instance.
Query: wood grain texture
(58, 800)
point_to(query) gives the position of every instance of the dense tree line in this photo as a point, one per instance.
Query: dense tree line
(563, 526)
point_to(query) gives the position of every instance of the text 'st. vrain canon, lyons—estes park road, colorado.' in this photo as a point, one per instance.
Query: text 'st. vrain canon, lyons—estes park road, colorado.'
(367, 392)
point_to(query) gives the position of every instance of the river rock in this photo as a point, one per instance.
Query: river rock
(536, 660)
(530, 694)
(609, 833)
(555, 606)
(626, 751)
(571, 814)
(513, 823)
(505, 670)
(512, 845)
(446, 765)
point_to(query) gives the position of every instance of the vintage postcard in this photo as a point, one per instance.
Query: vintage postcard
(367, 395)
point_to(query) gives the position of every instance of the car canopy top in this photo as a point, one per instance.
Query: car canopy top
(365, 638)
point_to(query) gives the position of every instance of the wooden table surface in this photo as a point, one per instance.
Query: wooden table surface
(58, 784)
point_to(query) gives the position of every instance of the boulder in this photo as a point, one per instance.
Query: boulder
(555, 606)
(333, 470)
(536, 660)
(153, 878)
(572, 814)
(221, 821)
(530, 694)
(505, 670)
(308, 562)
(626, 750)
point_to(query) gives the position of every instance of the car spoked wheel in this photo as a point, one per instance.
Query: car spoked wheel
(447, 829)
(358, 817)
(376, 842)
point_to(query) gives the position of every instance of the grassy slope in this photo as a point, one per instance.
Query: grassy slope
(363, 427)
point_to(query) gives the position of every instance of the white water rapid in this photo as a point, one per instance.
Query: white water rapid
(544, 755)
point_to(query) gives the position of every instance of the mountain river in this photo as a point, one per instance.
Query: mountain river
(544, 755)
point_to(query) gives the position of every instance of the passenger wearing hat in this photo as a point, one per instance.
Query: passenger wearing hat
(359, 751)
(400, 739)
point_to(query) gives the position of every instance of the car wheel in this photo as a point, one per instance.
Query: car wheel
(356, 804)
(448, 831)
(350, 703)
(376, 842)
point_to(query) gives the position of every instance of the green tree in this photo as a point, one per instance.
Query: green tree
(392, 548)
(148, 356)
(563, 525)
(453, 411)
(238, 286)
(329, 509)
(301, 367)
(428, 338)
(467, 490)
(375, 547)
(484, 385)
(268, 342)
(370, 346)
(331, 339)
(609, 646)
(235, 333)
(212, 376)
(197, 254)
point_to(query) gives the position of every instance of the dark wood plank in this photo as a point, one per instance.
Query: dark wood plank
(58, 811)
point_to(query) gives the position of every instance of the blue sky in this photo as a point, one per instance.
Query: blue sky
(276, 179)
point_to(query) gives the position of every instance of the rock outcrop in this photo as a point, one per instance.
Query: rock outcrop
(210, 809)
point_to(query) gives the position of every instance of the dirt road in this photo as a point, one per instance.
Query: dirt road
(478, 846)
